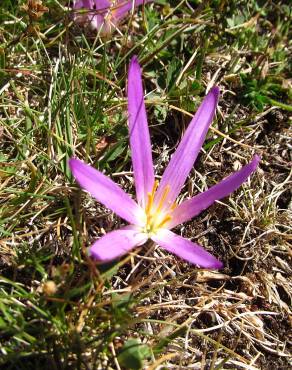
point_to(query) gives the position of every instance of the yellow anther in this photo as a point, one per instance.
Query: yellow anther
(149, 203)
(155, 219)
(150, 197)
(173, 207)
(163, 197)
(164, 221)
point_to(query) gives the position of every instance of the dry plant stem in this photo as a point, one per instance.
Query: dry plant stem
(149, 247)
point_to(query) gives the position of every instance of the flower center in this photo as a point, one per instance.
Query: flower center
(156, 216)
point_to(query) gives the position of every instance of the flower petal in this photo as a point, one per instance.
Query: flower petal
(86, 4)
(125, 6)
(184, 157)
(117, 243)
(99, 18)
(192, 207)
(139, 134)
(105, 191)
(103, 5)
(185, 249)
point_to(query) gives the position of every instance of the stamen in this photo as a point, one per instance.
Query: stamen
(154, 219)
(150, 197)
(173, 207)
(164, 221)
(162, 199)
(149, 202)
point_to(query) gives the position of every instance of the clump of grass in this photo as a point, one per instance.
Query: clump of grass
(62, 93)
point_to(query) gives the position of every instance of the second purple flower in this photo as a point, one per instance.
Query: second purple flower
(103, 15)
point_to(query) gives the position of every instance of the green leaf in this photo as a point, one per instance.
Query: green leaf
(133, 354)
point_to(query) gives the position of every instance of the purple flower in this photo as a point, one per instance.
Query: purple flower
(103, 15)
(156, 210)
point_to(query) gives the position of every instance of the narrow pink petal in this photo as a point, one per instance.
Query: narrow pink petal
(100, 24)
(97, 10)
(105, 191)
(139, 134)
(192, 207)
(117, 243)
(86, 4)
(186, 250)
(124, 6)
(183, 159)
(100, 15)
(102, 5)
